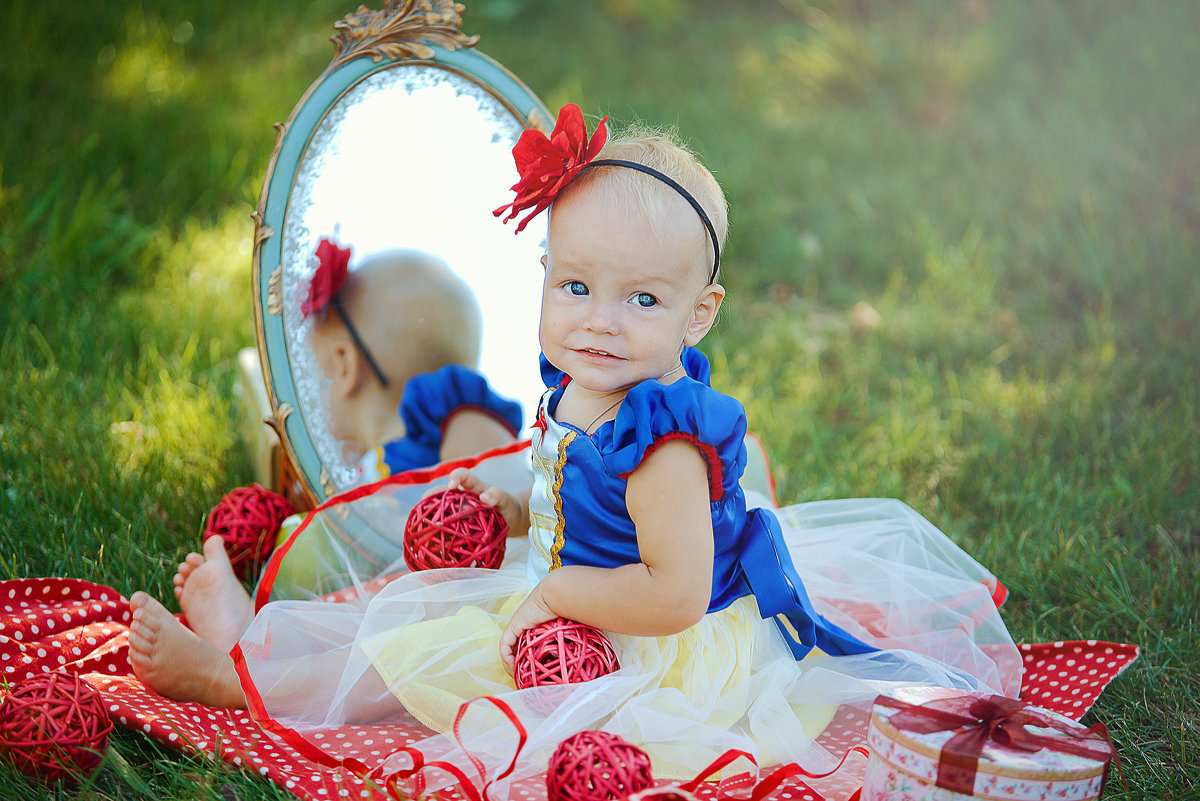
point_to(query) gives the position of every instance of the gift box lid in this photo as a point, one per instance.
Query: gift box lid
(913, 731)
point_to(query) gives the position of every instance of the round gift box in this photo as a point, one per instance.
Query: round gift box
(904, 765)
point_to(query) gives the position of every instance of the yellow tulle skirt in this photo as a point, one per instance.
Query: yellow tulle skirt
(424, 644)
(705, 674)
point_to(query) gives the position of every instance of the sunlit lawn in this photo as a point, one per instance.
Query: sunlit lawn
(962, 272)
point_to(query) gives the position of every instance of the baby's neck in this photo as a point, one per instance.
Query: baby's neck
(588, 410)
(395, 430)
(378, 422)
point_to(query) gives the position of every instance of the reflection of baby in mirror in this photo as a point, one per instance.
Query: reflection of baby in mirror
(402, 332)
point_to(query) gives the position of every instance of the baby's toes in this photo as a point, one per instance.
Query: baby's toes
(142, 636)
(191, 562)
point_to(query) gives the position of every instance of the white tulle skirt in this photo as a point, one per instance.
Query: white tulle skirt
(401, 646)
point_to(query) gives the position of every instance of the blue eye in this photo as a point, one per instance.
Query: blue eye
(576, 287)
(645, 300)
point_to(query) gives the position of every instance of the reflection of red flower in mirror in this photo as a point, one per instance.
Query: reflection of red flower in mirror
(546, 165)
(332, 268)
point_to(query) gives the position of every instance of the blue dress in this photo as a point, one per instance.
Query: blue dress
(750, 555)
(815, 610)
(429, 401)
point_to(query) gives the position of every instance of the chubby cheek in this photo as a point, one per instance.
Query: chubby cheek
(550, 326)
(551, 349)
(341, 428)
(337, 422)
(543, 334)
(352, 449)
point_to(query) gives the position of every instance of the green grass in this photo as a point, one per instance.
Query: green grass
(962, 272)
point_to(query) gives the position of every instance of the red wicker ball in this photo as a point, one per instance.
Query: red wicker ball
(596, 766)
(453, 528)
(53, 726)
(561, 651)
(248, 519)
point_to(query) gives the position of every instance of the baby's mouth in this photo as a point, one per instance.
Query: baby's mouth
(593, 352)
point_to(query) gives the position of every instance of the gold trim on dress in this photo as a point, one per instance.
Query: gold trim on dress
(559, 527)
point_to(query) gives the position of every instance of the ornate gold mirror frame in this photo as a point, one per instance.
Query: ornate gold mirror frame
(381, 54)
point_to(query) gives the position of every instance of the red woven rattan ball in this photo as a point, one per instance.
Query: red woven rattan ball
(248, 519)
(453, 528)
(561, 651)
(53, 726)
(596, 766)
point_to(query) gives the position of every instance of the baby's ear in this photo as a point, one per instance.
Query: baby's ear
(704, 314)
(348, 368)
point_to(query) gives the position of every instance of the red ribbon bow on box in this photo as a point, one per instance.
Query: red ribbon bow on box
(979, 720)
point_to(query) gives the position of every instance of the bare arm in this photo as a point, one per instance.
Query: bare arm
(664, 593)
(470, 431)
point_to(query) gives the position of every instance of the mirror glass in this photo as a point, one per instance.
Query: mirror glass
(410, 154)
(418, 158)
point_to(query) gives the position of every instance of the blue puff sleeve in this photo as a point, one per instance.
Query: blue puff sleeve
(652, 414)
(430, 399)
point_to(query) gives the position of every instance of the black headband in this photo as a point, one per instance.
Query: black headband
(336, 302)
(686, 195)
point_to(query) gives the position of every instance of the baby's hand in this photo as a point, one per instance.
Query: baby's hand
(508, 506)
(532, 611)
(462, 478)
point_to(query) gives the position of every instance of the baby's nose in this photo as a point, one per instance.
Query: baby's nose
(602, 318)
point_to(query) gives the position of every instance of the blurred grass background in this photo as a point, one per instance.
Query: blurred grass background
(962, 272)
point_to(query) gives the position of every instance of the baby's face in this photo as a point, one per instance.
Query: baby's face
(618, 295)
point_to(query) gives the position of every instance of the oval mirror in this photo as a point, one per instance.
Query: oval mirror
(404, 142)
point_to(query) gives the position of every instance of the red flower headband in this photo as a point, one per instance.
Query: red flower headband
(547, 165)
(332, 269)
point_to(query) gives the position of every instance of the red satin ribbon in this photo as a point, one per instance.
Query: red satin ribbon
(978, 720)
(266, 582)
(468, 788)
(390, 782)
(781, 774)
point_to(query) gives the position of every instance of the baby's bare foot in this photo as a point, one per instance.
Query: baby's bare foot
(175, 662)
(192, 561)
(216, 605)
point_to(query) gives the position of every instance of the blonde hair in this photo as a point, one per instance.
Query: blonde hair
(413, 313)
(662, 150)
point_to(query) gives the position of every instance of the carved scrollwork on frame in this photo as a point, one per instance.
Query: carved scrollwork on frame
(279, 421)
(275, 290)
(262, 231)
(327, 485)
(402, 29)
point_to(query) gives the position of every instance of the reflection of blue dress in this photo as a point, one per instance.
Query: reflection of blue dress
(429, 401)
(874, 599)
(750, 552)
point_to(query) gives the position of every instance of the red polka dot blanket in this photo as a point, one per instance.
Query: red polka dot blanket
(80, 627)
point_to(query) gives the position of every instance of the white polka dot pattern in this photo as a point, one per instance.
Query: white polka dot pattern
(81, 627)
